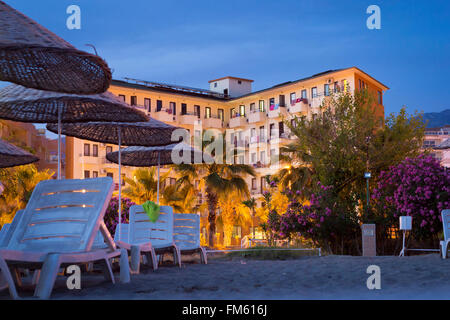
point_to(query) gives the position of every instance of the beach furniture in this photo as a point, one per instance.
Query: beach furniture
(8, 228)
(446, 227)
(57, 229)
(3, 232)
(186, 234)
(149, 238)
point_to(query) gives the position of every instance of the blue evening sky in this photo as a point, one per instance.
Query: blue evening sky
(270, 41)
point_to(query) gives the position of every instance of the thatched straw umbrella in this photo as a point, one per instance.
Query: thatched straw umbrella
(32, 56)
(150, 133)
(11, 156)
(156, 156)
(22, 104)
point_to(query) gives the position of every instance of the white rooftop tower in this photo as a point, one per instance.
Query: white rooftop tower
(231, 86)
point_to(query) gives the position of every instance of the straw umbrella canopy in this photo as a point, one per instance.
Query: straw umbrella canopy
(33, 56)
(156, 156)
(22, 104)
(11, 156)
(150, 133)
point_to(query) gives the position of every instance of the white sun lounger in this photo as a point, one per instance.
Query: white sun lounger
(186, 233)
(57, 229)
(148, 238)
(4, 233)
(446, 227)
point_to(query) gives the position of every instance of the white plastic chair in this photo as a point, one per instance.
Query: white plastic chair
(186, 233)
(446, 227)
(57, 229)
(148, 238)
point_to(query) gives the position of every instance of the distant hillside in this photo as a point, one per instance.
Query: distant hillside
(437, 119)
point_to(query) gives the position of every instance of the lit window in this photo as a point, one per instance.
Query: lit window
(237, 232)
(242, 110)
(87, 149)
(293, 97)
(326, 89)
(95, 150)
(304, 94)
(262, 107)
(147, 104)
(380, 97)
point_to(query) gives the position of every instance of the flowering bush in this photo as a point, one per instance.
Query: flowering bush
(323, 221)
(111, 215)
(417, 187)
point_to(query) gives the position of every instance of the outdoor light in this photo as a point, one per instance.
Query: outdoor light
(367, 176)
(405, 225)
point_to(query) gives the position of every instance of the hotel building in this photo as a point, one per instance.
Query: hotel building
(26, 136)
(437, 141)
(253, 120)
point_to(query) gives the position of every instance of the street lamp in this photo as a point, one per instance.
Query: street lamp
(367, 174)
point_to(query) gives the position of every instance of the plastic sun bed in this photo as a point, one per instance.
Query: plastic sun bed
(148, 238)
(57, 229)
(446, 227)
(187, 235)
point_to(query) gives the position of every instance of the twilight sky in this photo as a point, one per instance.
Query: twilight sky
(270, 41)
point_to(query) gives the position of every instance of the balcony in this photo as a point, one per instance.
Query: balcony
(108, 164)
(256, 116)
(164, 115)
(187, 118)
(237, 122)
(316, 102)
(213, 122)
(299, 106)
(254, 140)
(256, 192)
(89, 159)
(283, 138)
(241, 144)
(276, 112)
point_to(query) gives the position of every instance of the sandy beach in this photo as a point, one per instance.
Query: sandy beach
(328, 277)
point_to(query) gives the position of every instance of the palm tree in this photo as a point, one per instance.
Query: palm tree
(251, 205)
(19, 183)
(219, 179)
(143, 185)
(181, 198)
(232, 213)
(297, 175)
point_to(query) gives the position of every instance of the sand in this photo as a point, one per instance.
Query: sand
(328, 277)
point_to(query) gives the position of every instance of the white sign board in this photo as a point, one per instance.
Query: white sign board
(405, 222)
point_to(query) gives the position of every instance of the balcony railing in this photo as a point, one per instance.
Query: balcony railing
(238, 122)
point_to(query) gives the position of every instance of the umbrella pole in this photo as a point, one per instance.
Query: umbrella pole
(59, 142)
(120, 185)
(157, 187)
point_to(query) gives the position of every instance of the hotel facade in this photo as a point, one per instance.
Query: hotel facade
(253, 121)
